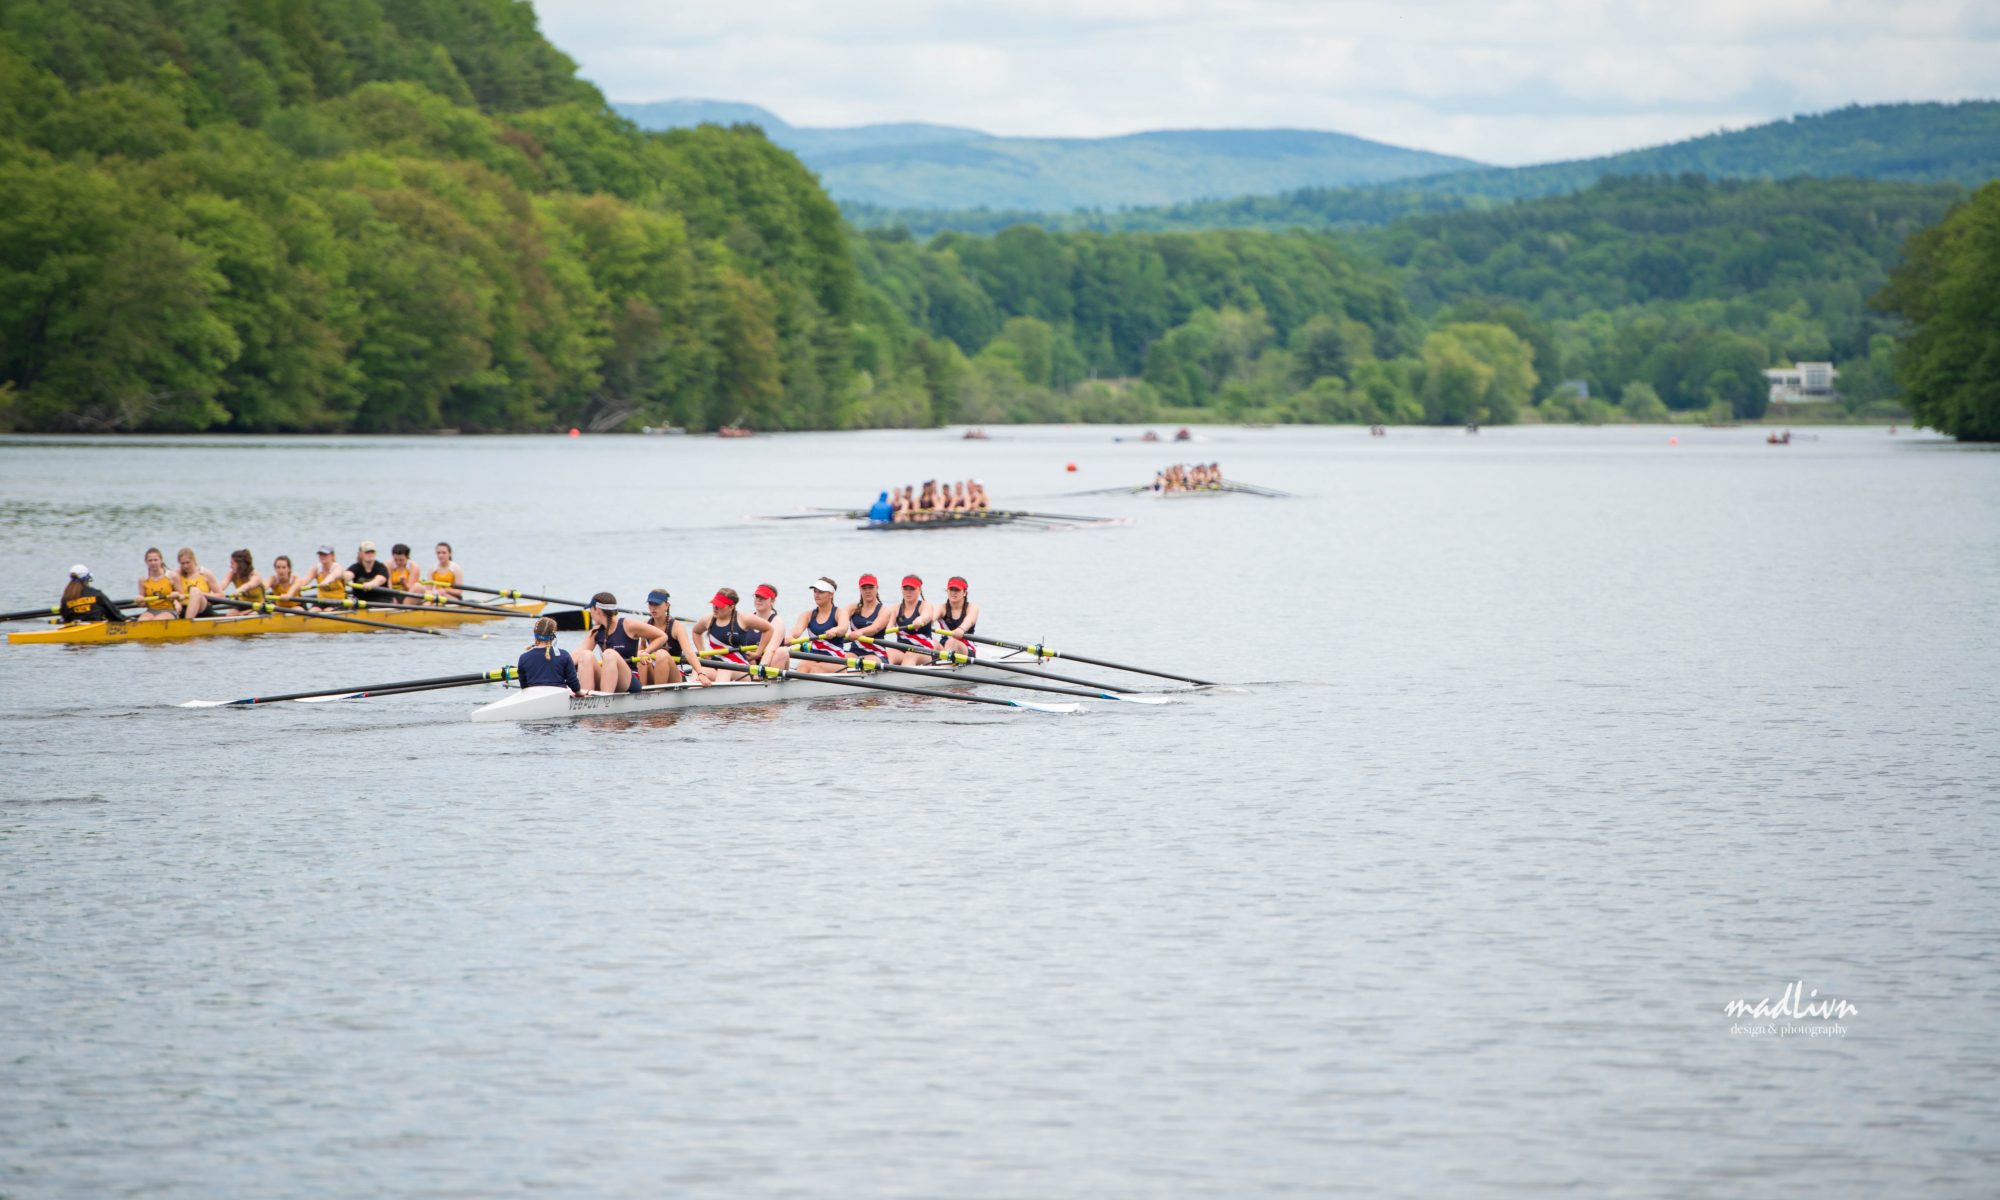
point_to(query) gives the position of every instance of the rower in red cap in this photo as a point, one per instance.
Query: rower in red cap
(912, 623)
(958, 615)
(747, 636)
(867, 617)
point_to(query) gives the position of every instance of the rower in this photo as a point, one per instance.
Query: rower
(958, 617)
(156, 589)
(283, 587)
(867, 617)
(912, 623)
(244, 582)
(605, 658)
(403, 574)
(664, 665)
(369, 576)
(194, 584)
(328, 578)
(446, 575)
(82, 602)
(543, 665)
(742, 636)
(980, 502)
(822, 627)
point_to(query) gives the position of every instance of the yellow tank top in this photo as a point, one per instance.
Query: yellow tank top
(187, 584)
(332, 586)
(254, 595)
(157, 593)
(444, 578)
(401, 578)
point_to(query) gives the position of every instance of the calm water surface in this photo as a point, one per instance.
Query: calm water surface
(1546, 745)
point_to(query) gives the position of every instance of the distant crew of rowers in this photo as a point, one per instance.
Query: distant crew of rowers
(622, 652)
(192, 590)
(1183, 477)
(933, 501)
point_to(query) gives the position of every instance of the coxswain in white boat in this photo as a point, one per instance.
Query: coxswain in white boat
(957, 617)
(609, 650)
(823, 628)
(665, 664)
(83, 602)
(244, 583)
(194, 584)
(544, 665)
(328, 578)
(156, 589)
(867, 618)
(447, 575)
(912, 622)
(744, 637)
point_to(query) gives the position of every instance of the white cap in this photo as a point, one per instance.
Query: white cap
(823, 584)
(79, 571)
(368, 547)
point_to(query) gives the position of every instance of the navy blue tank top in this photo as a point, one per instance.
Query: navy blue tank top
(613, 637)
(903, 620)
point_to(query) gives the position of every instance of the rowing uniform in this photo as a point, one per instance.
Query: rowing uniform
(89, 605)
(332, 585)
(254, 595)
(950, 625)
(157, 594)
(817, 630)
(733, 638)
(918, 635)
(856, 621)
(278, 596)
(403, 579)
(551, 668)
(442, 580)
(614, 638)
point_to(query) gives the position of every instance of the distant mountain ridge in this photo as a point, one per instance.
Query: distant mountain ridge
(916, 165)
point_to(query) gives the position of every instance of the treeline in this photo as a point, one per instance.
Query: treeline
(349, 215)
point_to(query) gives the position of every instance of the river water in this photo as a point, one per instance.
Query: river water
(1544, 746)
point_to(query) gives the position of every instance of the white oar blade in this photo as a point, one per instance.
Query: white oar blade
(204, 703)
(1047, 708)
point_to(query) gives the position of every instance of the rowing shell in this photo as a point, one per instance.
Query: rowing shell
(180, 629)
(557, 704)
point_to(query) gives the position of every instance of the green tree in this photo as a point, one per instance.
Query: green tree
(1949, 365)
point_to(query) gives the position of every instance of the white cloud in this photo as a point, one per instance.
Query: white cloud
(1506, 81)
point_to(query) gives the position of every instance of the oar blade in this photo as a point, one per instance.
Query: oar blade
(1038, 706)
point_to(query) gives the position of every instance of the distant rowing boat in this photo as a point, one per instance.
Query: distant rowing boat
(558, 704)
(180, 629)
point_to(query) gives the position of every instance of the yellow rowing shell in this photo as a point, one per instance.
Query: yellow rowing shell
(180, 629)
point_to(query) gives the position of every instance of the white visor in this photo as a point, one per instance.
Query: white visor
(823, 584)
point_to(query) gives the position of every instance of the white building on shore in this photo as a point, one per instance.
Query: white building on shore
(1806, 383)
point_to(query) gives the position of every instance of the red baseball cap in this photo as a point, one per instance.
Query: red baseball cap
(869, 581)
(912, 581)
(721, 601)
(767, 591)
(956, 581)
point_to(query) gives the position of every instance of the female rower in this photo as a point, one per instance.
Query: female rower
(328, 578)
(283, 587)
(822, 627)
(244, 582)
(446, 575)
(867, 618)
(194, 584)
(912, 623)
(542, 665)
(664, 664)
(82, 602)
(612, 645)
(957, 617)
(156, 589)
(980, 503)
(403, 574)
(745, 636)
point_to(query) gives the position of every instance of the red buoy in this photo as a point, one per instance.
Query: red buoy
(575, 432)
(1071, 467)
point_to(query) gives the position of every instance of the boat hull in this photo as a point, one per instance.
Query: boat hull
(181, 629)
(557, 704)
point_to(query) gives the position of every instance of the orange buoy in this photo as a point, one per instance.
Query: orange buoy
(1071, 467)
(574, 432)
(1673, 441)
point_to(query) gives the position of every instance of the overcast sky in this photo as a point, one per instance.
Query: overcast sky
(1503, 81)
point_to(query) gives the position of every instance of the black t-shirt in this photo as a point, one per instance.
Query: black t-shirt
(367, 579)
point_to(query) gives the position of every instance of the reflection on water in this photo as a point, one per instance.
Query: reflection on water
(1546, 746)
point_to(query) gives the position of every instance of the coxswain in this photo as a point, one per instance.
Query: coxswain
(244, 582)
(82, 602)
(368, 576)
(743, 637)
(194, 584)
(867, 618)
(912, 623)
(282, 588)
(821, 628)
(665, 665)
(446, 576)
(403, 574)
(957, 617)
(156, 589)
(328, 578)
(882, 512)
(611, 646)
(543, 665)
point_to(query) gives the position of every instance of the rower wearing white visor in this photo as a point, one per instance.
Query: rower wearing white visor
(821, 627)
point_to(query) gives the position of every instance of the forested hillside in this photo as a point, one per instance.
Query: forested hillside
(352, 215)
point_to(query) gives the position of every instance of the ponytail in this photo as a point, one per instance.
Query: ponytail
(545, 636)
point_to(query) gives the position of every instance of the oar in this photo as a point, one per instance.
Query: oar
(859, 663)
(512, 594)
(435, 604)
(945, 656)
(1254, 490)
(407, 685)
(1040, 651)
(55, 610)
(1117, 491)
(759, 671)
(318, 615)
